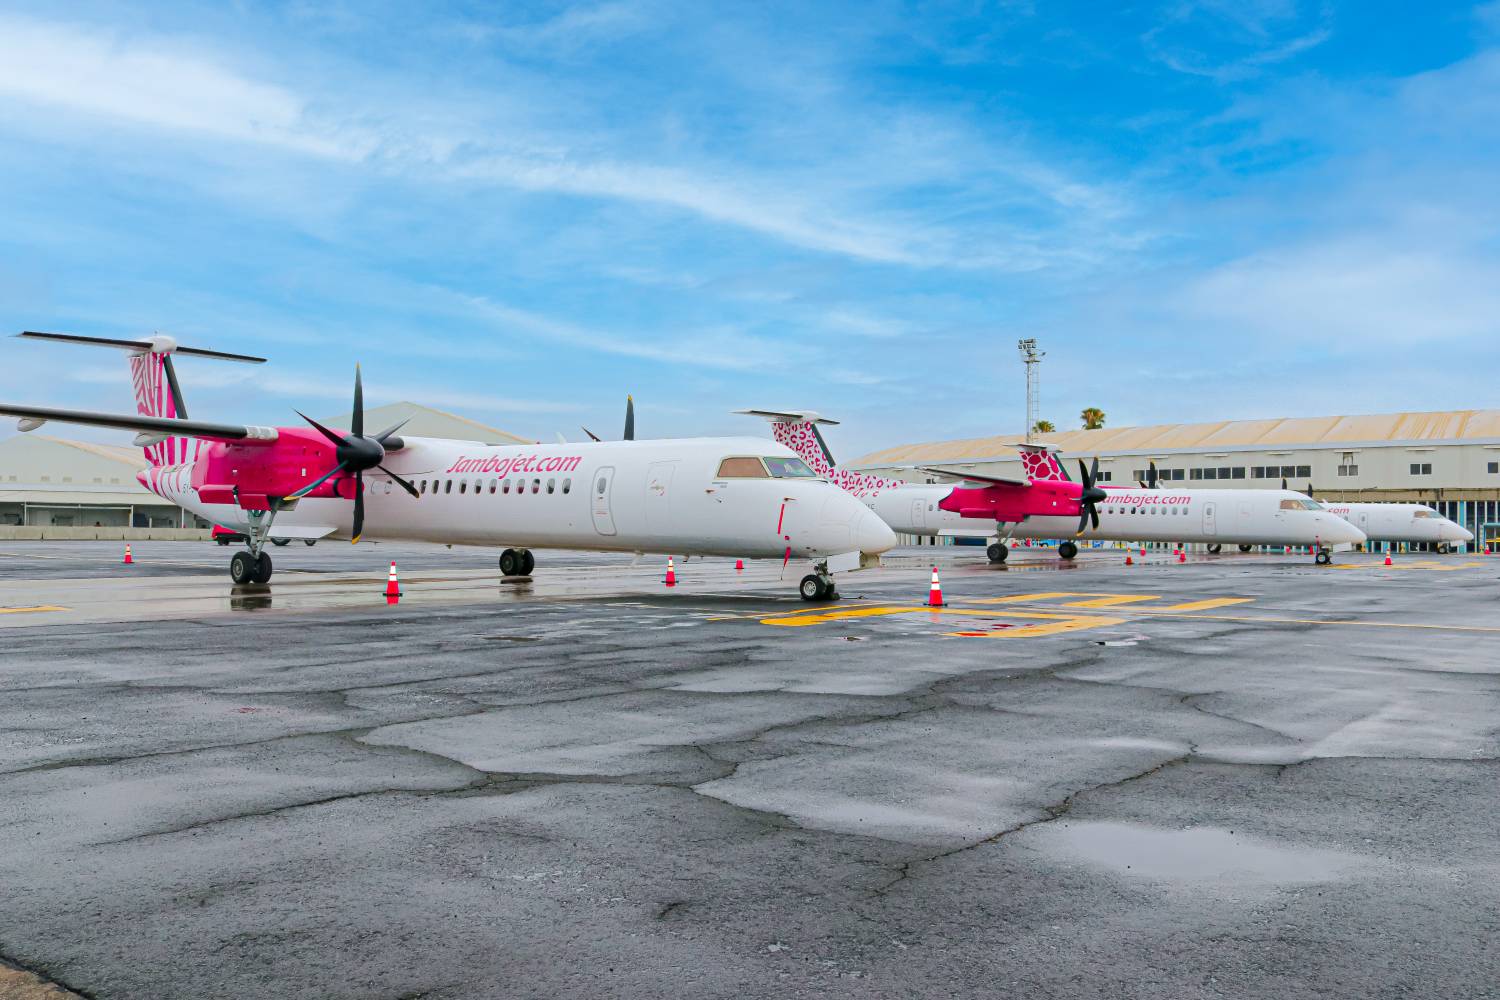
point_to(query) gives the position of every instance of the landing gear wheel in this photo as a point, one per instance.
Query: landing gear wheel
(510, 563)
(997, 552)
(309, 542)
(1246, 548)
(528, 562)
(1442, 548)
(816, 588)
(281, 541)
(262, 568)
(1067, 550)
(242, 568)
(1323, 558)
(1215, 549)
(222, 541)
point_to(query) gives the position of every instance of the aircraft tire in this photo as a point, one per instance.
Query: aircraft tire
(528, 562)
(262, 568)
(510, 563)
(309, 542)
(997, 552)
(1246, 548)
(242, 568)
(1323, 558)
(1067, 550)
(1215, 549)
(812, 588)
(281, 541)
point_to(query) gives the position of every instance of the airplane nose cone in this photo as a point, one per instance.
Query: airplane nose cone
(871, 534)
(1457, 533)
(1336, 531)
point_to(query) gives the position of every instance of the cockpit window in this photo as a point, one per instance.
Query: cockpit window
(1300, 505)
(742, 468)
(1423, 513)
(788, 468)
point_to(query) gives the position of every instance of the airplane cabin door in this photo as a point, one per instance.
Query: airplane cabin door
(604, 520)
(659, 497)
(1210, 527)
(919, 514)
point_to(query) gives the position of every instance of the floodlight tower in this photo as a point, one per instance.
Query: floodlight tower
(1033, 360)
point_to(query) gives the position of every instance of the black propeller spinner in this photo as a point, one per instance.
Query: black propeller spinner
(355, 454)
(1091, 495)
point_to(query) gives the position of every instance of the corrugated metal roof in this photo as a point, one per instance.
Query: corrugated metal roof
(1446, 425)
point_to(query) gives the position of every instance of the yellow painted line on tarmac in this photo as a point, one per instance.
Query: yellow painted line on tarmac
(1112, 601)
(27, 611)
(1021, 598)
(1216, 602)
(1429, 565)
(1056, 625)
(1324, 621)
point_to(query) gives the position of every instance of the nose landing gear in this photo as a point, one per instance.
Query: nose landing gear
(1323, 556)
(818, 587)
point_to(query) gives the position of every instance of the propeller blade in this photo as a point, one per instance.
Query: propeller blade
(391, 430)
(1083, 473)
(1151, 476)
(304, 491)
(1094, 471)
(359, 508)
(629, 419)
(1283, 482)
(403, 483)
(1094, 515)
(330, 435)
(1083, 522)
(591, 434)
(1309, 489)
(357, 418)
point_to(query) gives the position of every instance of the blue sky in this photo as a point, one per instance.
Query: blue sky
(1204, 210)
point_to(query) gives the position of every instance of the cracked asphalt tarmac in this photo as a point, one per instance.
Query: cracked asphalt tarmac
(1235, 777)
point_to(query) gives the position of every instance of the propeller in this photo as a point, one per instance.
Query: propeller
(629, 422)
(1089, 499)
(1310, 490)
(1150, 482)
(356, 454)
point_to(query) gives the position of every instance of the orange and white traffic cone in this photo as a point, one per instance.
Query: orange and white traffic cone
(392, 585)
(935, 592)
(128, 560)
(1129, 561)
(671, 580)
(1181, 556)
(739, 564)
(1387, 558)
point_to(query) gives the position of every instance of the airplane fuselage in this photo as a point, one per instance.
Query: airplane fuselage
(631, 496)
(1245, 517)
(1400, 522)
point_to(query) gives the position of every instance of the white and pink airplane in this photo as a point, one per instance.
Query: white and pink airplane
(1046, 504)
(694, 496)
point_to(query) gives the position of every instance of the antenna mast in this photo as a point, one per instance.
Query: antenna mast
(1033, 360)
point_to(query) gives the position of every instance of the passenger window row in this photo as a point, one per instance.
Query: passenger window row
(494, 486)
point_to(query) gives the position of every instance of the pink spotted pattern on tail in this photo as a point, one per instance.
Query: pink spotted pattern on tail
(1041, 465)
(801, 438)
(153, 398)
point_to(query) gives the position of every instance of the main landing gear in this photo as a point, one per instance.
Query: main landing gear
(254, 566)
(998, 552)
(1246, 548)
(517, 562)
(1215, 549)
(1067, 550)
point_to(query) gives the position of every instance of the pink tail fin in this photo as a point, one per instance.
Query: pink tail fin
(799, 432)
(154, 397)
(1041, 464)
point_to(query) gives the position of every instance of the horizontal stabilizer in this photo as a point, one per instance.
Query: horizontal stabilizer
(153, 345)
(975, 477)
(789, 416)
(151, 425)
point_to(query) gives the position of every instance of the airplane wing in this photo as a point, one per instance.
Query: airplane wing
(976, 477)
(33, 417)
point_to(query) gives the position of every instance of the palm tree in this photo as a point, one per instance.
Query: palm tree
(1093, 418)
(1044, 427)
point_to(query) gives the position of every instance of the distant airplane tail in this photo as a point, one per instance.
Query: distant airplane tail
(154, 381)
(1041, 464)
(798, 430)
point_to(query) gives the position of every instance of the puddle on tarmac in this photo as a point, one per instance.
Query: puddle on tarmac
(1196, 855)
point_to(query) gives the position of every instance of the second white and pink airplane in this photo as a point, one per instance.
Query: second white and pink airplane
(741, 497)
(1048, 505)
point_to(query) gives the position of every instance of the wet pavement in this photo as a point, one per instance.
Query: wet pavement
(1231, 777)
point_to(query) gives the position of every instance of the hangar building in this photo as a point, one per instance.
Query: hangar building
(48, 481)
(1449, 460)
